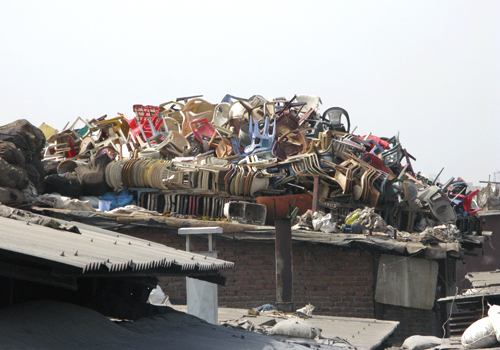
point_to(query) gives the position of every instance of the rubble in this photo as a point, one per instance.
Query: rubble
(192, 158)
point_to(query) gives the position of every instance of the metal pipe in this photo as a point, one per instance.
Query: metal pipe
(315, 202)
(284, 263)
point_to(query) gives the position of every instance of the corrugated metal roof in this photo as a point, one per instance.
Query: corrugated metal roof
(484, 284)
(484, 278)
(98, 249)
(436, 250)
(60, 326)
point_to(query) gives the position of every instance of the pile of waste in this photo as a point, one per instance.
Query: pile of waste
(295, 325)
(489, 197)
(195, 159)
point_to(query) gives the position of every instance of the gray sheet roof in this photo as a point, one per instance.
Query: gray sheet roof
(433, 250)
(56, 326)
(484, 284)
(96, 249)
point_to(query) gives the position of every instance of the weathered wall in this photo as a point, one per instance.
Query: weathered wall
(337, 281)
(412, 321)
(485, 258)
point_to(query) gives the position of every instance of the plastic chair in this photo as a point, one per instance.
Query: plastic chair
(172, 124)
(205, 130)
(254, 109)
(221, 114)
(172, 110)
(230, 99)
(467, 200)
(189, 116)
(266, 140)
(238, 149)
(156, 135)
(244, 108)
(334, 115)
(377, 163)
(199, 105)
(376, 148)
(310, 101)
(137, 128)
(438, 202)
(175, 143)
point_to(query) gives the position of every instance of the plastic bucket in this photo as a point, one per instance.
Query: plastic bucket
(104, 205)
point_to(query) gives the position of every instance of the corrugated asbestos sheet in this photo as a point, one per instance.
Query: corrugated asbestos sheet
(436, 250)
(484, 284)
(60, 326)
(97, 249)
(472, 304)
(484, 279)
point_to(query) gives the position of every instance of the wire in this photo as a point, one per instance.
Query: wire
(451, 311)
(385, 265)
(482, 306)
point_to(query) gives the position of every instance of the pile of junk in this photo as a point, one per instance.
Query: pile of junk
(246, 159)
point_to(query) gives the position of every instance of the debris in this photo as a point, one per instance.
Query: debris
(368, 218)
(196, 159)
(264, 308)
(322, 222)
(307, 310)
(480, 334)
(494, 315)
(420, 342)
(157, 297)
(296, 327)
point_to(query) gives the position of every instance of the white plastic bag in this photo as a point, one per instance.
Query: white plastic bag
(156, 296)
(480, 334)
(297, 328)
(494, 314)
(419, 342)
(325, 224)
(308, 309)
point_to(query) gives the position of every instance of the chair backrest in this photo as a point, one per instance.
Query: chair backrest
(311, 101)
(173, 124)
(334, 116)
(172, 110)
(200, 106)
(221, 114)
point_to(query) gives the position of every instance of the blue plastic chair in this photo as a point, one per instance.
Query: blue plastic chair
(266, 140)
(376, 149)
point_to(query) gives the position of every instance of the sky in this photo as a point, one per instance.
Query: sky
(429, 70)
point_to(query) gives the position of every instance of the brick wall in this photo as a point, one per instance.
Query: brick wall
(412, 322)
(337, 281)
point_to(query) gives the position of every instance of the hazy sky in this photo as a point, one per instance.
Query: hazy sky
(428, 69)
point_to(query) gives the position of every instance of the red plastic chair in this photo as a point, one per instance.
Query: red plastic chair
(205, 130)
(467, 201)
(144, 115)
(376, 162)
